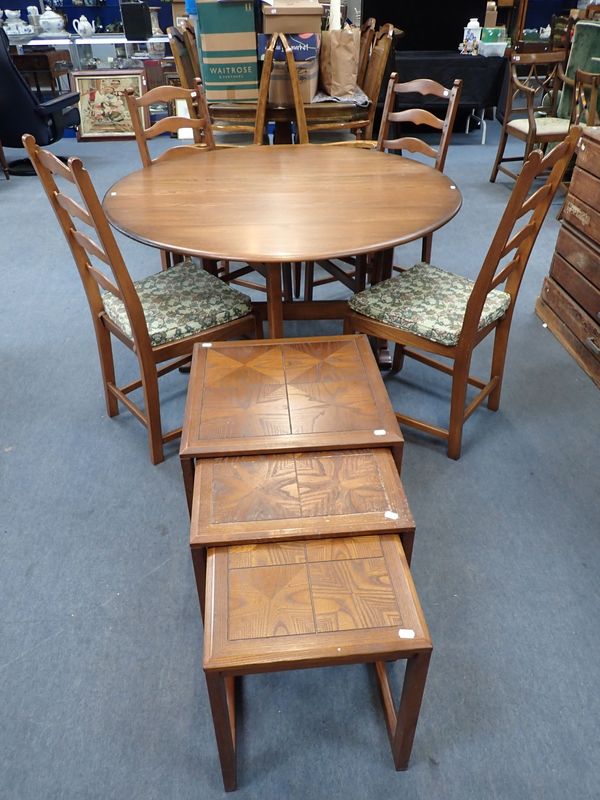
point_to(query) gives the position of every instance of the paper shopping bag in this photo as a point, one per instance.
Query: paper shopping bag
(339, 61)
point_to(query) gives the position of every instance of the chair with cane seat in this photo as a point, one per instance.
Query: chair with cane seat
(429, 309)
(159, 317)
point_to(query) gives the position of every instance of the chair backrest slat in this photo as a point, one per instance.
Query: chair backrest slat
(50, 161)
(73, 209)
(105, 282)
(90, 246)
(419, 116)
(537, 197)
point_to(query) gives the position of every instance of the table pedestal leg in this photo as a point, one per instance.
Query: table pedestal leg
(274, 306)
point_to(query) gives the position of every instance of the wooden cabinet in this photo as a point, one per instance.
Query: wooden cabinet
(570, 298)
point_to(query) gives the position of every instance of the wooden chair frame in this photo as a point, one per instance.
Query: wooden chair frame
(503, 266)
(420, 116)
(183, 63)
(543, 78)
(362, 266)
(585, 98)
(200, 125)
(103, 248)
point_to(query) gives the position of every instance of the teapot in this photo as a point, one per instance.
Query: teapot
(12, 17)
(83, 26)
(51, 22)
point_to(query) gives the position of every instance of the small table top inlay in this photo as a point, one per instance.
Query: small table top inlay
(284, 396)
(266, 498)
(311, 603)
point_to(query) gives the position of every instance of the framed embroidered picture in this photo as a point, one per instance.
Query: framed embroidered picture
(102, 106)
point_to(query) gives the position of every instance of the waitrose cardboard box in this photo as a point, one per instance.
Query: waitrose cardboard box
(227, 49)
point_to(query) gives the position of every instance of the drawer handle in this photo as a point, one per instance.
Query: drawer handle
(591, 345)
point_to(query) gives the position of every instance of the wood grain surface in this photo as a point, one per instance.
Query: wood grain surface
(284, 396)
(310, 603)
(284, 203)
(253, 499)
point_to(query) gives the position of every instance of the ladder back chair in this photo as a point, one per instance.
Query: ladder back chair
(191, 45)
(183, 63)
(435, 311)
(198, 120)
(530, 112)
(195, 104)
(420, 116)
(361, 265)
(159, 317)
(367, 37)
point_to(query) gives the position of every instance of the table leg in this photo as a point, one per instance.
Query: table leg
(274, 305)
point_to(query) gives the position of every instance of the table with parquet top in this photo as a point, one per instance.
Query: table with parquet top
(306, 604)
(285, 396)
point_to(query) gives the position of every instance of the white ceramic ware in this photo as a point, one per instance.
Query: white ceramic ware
(83, 26)
(51, 22)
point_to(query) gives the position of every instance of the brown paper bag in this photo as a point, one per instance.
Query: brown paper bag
(339, 61)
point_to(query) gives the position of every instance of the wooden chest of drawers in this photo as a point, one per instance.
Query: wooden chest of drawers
(570, 298)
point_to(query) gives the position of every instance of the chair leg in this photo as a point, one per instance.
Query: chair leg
(297, 278)
(457, 405)
(498, 361)
(426, 243)
(499, 154)
(286, 270)
(360, 273)
(152, 406)
(309, 277)
(107, 368)
(223, 721)
(398, 360)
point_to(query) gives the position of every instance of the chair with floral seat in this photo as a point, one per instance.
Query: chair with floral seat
(159, 317)
(428, 309)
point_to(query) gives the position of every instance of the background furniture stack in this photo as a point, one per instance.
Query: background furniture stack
(301, 534)
(570, 298)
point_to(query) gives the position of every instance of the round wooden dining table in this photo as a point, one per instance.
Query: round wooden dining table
(280, 204)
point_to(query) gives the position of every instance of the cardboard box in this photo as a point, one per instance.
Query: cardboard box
(227, 49)
(305, 46)
(292, 16)
(280, 88)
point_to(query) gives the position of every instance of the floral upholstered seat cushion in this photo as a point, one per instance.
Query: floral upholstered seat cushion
(179, 302)
(428, 302)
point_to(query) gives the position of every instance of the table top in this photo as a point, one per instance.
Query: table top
(311, 603)
(266, 498)
(286, 396)
(282, 203)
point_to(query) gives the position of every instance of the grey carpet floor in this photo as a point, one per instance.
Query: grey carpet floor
(101, 688)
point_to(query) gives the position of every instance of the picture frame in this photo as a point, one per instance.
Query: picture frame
(102, 107)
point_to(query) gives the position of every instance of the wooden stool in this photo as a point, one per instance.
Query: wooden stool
(271, 498)
(285, 396)
(313, 603)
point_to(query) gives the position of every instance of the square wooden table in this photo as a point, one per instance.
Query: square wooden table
(285, 396)
(248, 500)
(293, 605)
